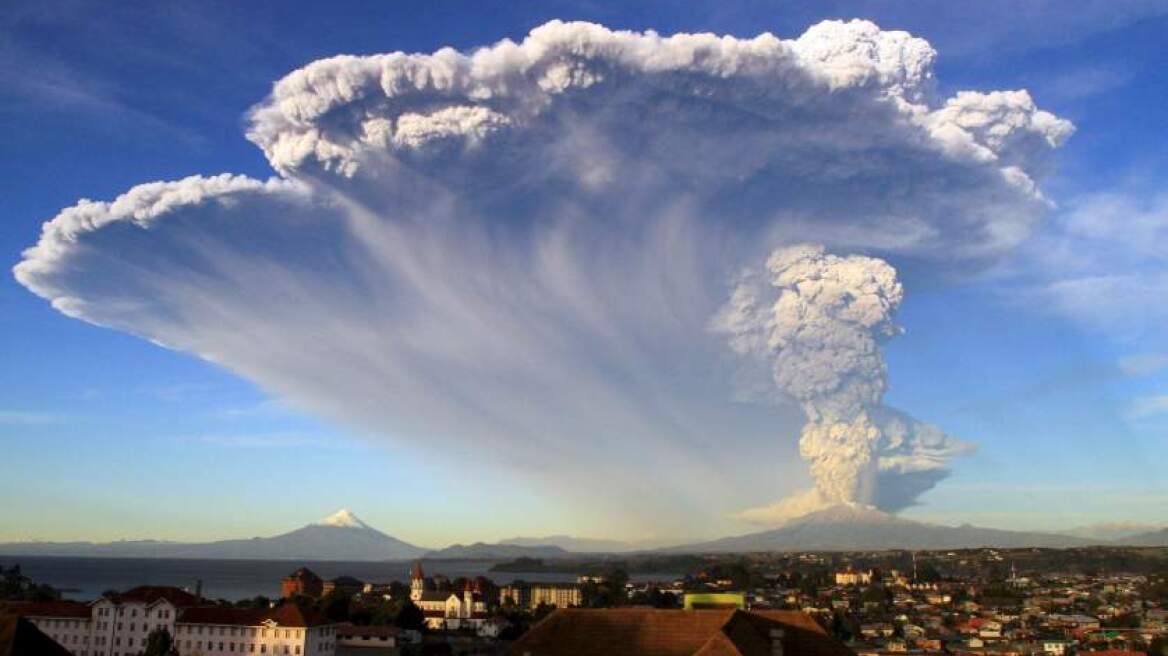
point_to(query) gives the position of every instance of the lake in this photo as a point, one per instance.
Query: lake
(87, 578)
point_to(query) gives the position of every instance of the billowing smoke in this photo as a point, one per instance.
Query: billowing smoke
(818, 320)
(513, 255)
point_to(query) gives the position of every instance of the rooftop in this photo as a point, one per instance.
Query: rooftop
(658, 632)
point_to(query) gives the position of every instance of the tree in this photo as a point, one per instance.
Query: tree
(14, 585)
(874, 593)
(398, 590)
(335, 606)
(158, 643)
(410, 617)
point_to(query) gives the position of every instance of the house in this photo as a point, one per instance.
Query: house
(303, 582)
(662, 632)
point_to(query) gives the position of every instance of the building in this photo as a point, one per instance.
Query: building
(68, 623)
(385, 637)
(533, 595)
(852, 577)
(114, 625)
(302, 582)
(659, 632)
(225, 631)
(713, 600)
(20, 637)
(119, 624)
(446, 609)
(343, 585)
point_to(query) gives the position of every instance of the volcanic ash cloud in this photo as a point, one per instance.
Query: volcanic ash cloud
(511, 255)
(817, 320)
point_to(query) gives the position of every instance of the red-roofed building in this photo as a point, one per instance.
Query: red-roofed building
(115, 625)
(118, 625)
(302, 582)
(223, 631)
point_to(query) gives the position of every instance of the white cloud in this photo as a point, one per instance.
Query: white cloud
(263, 440)
(28, 418)
(1143, 363)
(512, 255)
(1148, 406)
(1103, 261)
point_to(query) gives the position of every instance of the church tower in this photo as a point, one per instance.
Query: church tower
(417, 582)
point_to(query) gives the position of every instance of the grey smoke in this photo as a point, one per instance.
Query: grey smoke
(818, 320)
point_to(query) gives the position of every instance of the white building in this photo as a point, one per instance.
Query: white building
(224, 631)
(852, 577)
(69, 623)
(118, 625)
(115, 625)
(448, 610)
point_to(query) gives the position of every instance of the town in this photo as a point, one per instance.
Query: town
(1000, 602)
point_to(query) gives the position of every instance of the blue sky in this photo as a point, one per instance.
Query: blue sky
(1052, 359)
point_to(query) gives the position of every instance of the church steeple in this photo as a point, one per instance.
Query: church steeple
(417, 581)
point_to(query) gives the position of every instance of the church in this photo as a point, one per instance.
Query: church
(448, 609)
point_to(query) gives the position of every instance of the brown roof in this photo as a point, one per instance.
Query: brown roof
(293, 615)
(19, 637)
(303, 574)
(348, 630)
(284, 615)
(222, 615)
(657, 632)
(150, 594)
(71, 609)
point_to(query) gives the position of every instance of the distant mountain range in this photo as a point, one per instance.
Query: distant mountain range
(855, 528)
(341, 536)
(482, 551)
(1157, 538)
(1111, 532)
(588, 545)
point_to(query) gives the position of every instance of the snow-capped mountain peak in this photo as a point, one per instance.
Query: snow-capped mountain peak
(343, 518)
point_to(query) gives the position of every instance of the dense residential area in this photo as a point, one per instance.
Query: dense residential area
(1019, 602)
